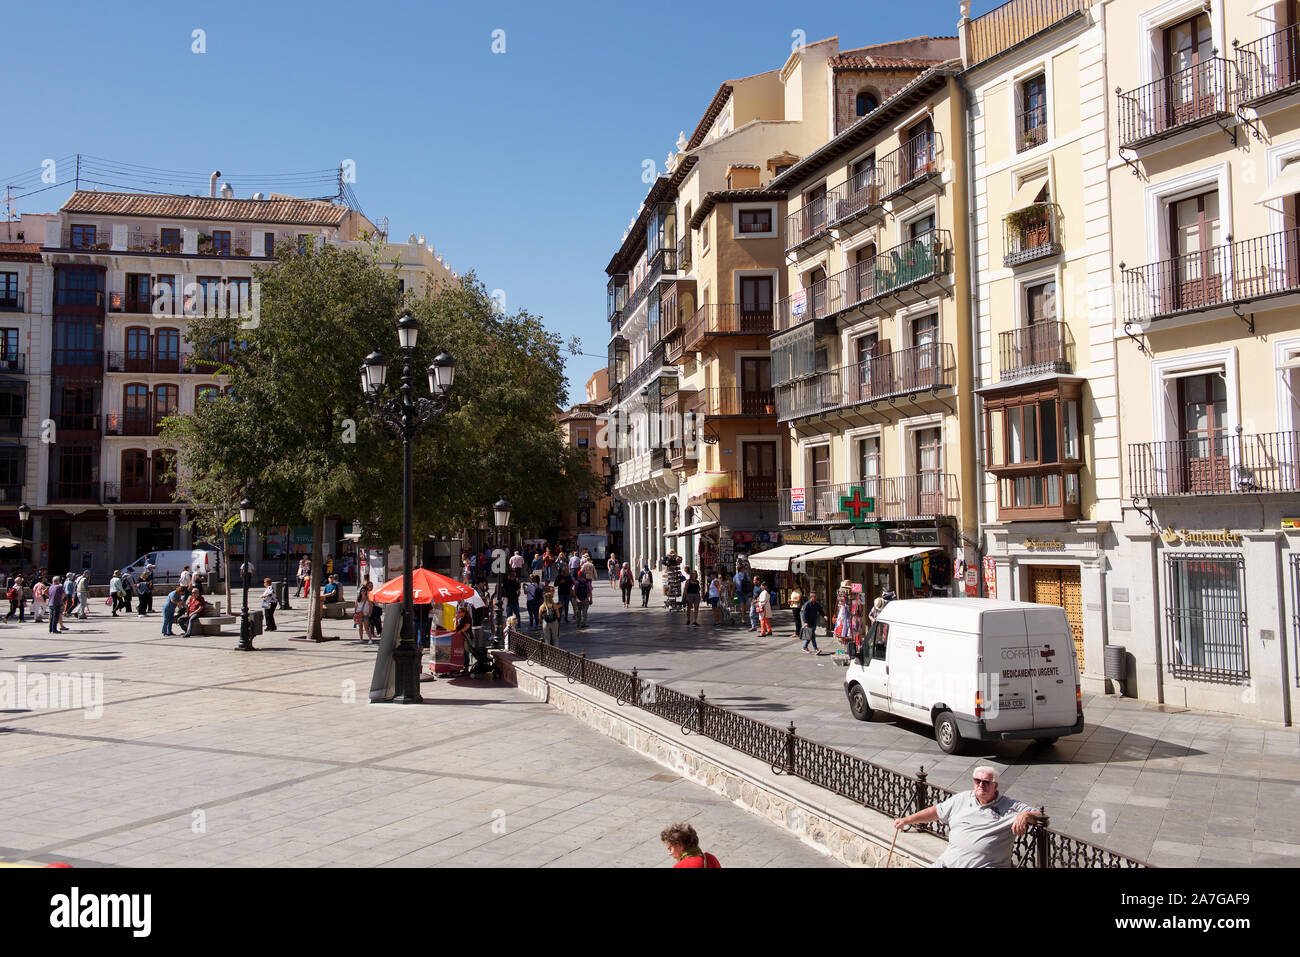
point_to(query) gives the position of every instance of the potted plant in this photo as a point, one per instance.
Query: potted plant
(1030, 224)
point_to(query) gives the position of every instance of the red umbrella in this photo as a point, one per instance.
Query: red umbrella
(428, 588)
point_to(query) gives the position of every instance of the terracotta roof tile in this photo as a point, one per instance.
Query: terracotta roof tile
(20, 252)
(298, 212)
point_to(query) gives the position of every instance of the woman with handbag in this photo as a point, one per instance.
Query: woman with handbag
(550, 615)
(361, 617)
(269, 605)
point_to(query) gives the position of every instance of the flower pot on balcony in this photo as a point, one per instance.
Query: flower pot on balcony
(769, 409)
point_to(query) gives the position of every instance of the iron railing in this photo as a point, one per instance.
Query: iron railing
(1032, 233)
(657, 267)
(923, 259)
(642, 373)
(136, 491)
(1220, 464)
(1233, 272)
(11, 493)
(735, 485)
(135, 421)
(896, 498)
(1031, 128)
(1175, 102)
(73, 491)
(1270, 66)
(931, 366)
(150, 362)
(1032, 350)
(733, 400)
(727, 319)
(807, 303)
(813, 219)
(914, 162)
(15, 303)
(12, 424)
(785, 751)
(1013, 22)
(79, 297)
(13, 362)
(860, 195)
(76, 422)
(684, 253)
(1205, 616)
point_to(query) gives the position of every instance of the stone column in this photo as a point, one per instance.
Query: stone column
(110, 539)
(187, 537)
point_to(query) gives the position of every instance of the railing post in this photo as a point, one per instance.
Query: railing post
(699, 712)
(582, 666)
(789, 749)
(1040, 842)
(922, 790)
(636, 688)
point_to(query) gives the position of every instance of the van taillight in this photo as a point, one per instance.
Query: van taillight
(979, 705)
(1078, 700)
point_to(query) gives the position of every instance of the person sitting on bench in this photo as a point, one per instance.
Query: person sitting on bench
(194, 610)
(332, 591)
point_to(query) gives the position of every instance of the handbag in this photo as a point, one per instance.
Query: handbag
(357, 617)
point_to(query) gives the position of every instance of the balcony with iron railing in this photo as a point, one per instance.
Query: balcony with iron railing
(76, 422)
(616, 301)
(1223, 463)
(1044, 347)
(1234, 272)
(1014, 22)
(1181, 101)
(1269, 68)
(928, 367)
(893, 499)
(13, 302)
(12, 494)
(735, 486)
(684, 254)
(643, 372)
(14, 363)
(726, 319)
(859, 200)
(923, 260)
(12, 424)
(79, 492)
(915, 163)
(136, 421)
(802, 306)
(1031, 234)
(735, 401)
(813, 221)
(184, 362)
(133, 491)
(79, 298)
(1031, 128)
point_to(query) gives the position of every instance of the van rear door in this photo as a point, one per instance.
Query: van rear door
(1004, 679)
(1054, 674)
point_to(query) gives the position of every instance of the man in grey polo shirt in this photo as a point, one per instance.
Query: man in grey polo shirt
(981, 823)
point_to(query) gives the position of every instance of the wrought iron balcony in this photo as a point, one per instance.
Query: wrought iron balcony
(1269, 68)
(858, 198)
(138, 491)
(724, 486)
(642, 373)
(150, 362)
(798, 307)
(684, 253)
(813, 221)
(1224, 463)
(1033, 350)
(922, 368)
(135, 422)
(726, 319)
(13, 362)
(924, 259)
(733, 400)
(76, 422)
(1031, 128)
(79, 492)
(898, 498)
(915, 162)
(17, 302)
(1032, 233)
(1177, 102)
(1218, 276)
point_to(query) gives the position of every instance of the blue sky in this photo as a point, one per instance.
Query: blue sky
(524, 165)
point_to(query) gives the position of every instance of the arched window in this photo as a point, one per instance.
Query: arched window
(135, 475)
(166, 402)
(867, 101)
(167, 350)
(135, 409)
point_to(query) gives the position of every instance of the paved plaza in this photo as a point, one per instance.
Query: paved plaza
(1166, 785)
(204, 756)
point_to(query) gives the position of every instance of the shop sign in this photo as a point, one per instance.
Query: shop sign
(972, 583)
(796, 500)
(1187, 536)
(860, 508)
(910, 536)
(1291, 523)
(856, 536)
(1044, 545)
(806, 537)
(990, 578)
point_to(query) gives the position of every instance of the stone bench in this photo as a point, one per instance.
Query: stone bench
(338, 609)
(212, 624)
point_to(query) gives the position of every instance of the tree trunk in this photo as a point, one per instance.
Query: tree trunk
(317, 579)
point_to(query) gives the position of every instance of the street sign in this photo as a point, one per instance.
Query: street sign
(796, 500)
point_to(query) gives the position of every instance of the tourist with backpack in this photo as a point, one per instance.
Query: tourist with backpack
(646, 580)
(550, 615)
(625, 582)
(17, 601)
(581, 599)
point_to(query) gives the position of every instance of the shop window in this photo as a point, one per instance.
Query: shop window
(1205, 620)
(1034, 449)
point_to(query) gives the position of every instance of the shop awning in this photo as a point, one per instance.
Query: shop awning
(778, 559)
(835, 553)
(7, 542)
(1286, 184)
(690, 529)
(894, 553)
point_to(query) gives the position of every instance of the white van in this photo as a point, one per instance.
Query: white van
(971, 668)
(168, 565)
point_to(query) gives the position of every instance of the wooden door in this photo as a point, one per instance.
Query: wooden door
(755, 385)
(1196, 279)
(923, 369)
(1203, 409)
(1189, 82)
(929, 477)
(755, 304)
(1050, 585)
(760, 471)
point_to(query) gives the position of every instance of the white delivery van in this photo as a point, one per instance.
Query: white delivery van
(971, 668)
(168, 565)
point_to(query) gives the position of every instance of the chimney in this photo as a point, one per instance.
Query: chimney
(226, 191)
(212, 184)
(421, 239)
(259, 196)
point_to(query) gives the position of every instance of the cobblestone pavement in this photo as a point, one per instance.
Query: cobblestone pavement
(1174, 787)
(205, 756)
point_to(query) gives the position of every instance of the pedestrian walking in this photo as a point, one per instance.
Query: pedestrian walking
(115, 592)
(83, 595)
(56, 606)
(581, 598)
(186, 578)
(533, 599)
(588, 568)
(510, 591)
(144, 593)
(550, 616)
(612, 567)
(982, 824)
(128, 590)
(17, 600)
(811, 613)
(715, 600)
(764, 606)
(40, 599)
(361, 614)
(646, 580)
(683, 846)
(564, 590)
(796, 603)
(691, 599)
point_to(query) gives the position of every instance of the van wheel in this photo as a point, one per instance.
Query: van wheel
(858, 704)
(946, 733)
(1045, 742)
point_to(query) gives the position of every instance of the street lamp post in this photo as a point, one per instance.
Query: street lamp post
(288, 537)
(24, 513)
(501, 513)
(403, 415)
(245, 626)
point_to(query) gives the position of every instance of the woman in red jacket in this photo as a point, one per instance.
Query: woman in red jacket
(684, 847)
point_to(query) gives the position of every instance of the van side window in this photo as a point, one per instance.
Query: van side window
(879, 639)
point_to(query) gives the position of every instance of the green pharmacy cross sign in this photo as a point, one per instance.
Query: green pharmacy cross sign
(859, 508)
